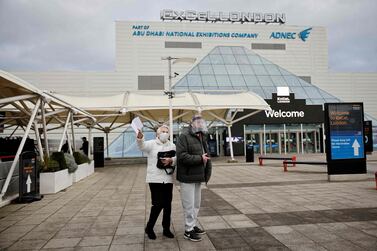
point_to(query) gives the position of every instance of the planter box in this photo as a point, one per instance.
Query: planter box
(55, 182)
(83, 171)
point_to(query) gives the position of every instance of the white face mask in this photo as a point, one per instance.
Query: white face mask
(164, 136)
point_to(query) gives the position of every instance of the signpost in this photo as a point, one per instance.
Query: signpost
(368, 136)
(345, 138)
(28, 178)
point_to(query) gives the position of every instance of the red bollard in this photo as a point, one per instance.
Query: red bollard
(260, 162)
(294, 159)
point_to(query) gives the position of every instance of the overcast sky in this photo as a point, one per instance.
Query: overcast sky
(79, 35)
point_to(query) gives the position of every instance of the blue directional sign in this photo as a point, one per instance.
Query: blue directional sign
(346, 131)
(345, 147)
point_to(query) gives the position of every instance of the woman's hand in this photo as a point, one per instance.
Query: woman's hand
(139, 135)
(167, 161)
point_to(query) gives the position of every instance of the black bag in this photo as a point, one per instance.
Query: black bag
(160, 165)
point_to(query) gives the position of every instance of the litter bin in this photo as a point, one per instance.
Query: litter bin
(249, 153)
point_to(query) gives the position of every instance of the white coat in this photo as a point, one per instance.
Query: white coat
(151, 148)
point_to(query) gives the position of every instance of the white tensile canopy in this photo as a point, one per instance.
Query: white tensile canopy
(28, 107)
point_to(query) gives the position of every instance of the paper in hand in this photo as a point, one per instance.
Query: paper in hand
(136, 124)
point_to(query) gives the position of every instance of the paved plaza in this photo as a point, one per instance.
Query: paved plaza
(244, 207)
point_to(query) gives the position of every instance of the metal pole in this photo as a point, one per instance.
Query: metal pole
(170, 95)
(217, 142)
(264, 139)
(20, 147)
(323, 138)
(44, 129)
(73, 134)
(38, 139)
(69, 143)
(107, 143)
(285, 140)
(64, 132)
(90, 143)
(302, 139)
(315, 141)
(230, 142)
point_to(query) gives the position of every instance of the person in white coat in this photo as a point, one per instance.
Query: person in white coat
(160, 180)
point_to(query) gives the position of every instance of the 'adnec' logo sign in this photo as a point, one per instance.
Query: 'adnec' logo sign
(303, 35)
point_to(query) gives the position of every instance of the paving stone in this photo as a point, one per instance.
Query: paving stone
(62, 242)
(28, 245)
(96, 241)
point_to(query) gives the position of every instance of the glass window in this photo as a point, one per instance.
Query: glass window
(278, 81)
(268, 91)
(259, 70)
(215, 51)
(318, 101)
(326, 95)
(304, 83)
(246, 69)
(209, 80)
(233, 69)
(265, 61)
(223, 80)
(238, 50)
(299, 92)
(312, 92)
(292, 80)
(272, 69)
(284, 72)
(237, 80)
(194, 70)
(182, 82)
(194, 80)
(254, 59)
(332, 100)
(225, 50)
(229, 59)
(242, 59)
(219, 69)
(251, 80)
(216, 59)
(258, 90)
(205, 69)
(205, 60)
(265, 81)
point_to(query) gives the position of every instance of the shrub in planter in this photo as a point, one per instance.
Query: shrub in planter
(72, 166)
(49, 165)
(59, 157)
(80, 158)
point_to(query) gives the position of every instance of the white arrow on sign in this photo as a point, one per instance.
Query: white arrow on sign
(28, 183)
(356, 147)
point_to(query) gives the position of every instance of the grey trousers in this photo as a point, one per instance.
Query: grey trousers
(190, 196)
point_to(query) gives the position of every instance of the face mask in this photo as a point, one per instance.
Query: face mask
(163, 137)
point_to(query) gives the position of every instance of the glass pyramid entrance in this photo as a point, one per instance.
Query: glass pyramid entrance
(237, 68)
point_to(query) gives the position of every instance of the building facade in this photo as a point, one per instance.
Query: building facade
(285, 56)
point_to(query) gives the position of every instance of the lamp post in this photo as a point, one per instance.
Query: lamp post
(170, 93)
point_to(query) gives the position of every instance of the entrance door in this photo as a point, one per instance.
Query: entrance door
(272, 142)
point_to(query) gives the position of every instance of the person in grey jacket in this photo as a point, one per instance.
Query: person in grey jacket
(193, 168)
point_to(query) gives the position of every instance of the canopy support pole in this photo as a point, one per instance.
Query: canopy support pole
(44, 129)
(73, 134)
(230, 143)
(19, 150)
(38, 138)
(90, 143)
(64, 131)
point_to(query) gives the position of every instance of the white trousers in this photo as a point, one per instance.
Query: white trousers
(190, 196)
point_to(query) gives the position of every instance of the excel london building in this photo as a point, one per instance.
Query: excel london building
(285, 64)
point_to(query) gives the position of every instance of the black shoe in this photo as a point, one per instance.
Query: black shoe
(168, 234)
(150, 233)
(199, 231)
(192, 236)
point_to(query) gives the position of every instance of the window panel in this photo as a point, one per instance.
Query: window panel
(225, 50)
(209, 80)
(219, 69)
(233, 69)
(246, 69)
(238, 50)
(194, 80)
(265, 81)
(242, 59)
(254, 59)
(251, 80)
(223, 80)
(237, 80)
(229, 59)
(259, 70)
(312, 92)
(272, 69)
(292, 80)
(278, 81)
(259, 91)
(205, 69)
(216, 59)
